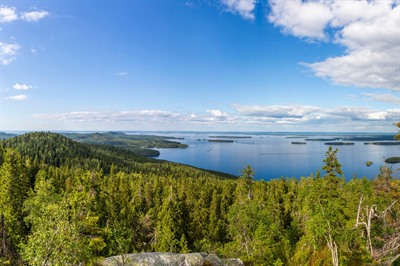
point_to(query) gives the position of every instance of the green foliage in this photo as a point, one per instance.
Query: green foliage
(64, 202)
(14, 187)
(64, 227)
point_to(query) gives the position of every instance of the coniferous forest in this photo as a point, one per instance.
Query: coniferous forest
(69, 203)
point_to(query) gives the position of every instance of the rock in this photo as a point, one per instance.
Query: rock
(213, 260)
(232, 262)
(170, 259)
(194, 258)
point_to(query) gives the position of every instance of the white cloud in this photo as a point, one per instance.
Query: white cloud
(299, 18)
(369, 29)
(8, 51)
(386, 97)
(20, 97)
(346, 12)
(356, 113)
(18, 86)
(217, 113)
(362, 68)
(10, 14)
(7, 14)
(34, 16)
(245, 8)
(157, 113)
(306, 116)
(275, 117)
(276, 111)
(111, 116)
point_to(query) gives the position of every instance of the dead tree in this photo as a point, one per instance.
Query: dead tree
(333, 248)
(390, 250)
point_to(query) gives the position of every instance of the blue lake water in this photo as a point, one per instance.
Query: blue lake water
(272, 155)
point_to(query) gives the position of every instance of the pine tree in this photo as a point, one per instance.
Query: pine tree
(14, 187)
(325, 207)
(63, 228)
(170, 232)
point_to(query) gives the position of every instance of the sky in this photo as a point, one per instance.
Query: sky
(200, 65)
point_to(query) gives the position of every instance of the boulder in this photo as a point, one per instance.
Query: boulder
(170, 259)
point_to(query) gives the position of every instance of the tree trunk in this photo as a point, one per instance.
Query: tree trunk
(333, 248)
(391, 244)
(3, 248)
(370, 213)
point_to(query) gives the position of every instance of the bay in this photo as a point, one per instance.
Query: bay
(272, 155)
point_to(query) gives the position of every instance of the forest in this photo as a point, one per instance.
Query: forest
(140, 144)
(64, 202)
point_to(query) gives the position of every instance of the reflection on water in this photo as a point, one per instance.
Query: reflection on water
(273, 155)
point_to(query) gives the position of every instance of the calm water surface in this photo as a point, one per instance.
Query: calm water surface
(272, 155)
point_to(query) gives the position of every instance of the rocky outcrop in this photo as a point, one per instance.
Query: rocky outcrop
(170, 259)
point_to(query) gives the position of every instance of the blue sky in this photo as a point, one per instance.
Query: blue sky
(237, 65)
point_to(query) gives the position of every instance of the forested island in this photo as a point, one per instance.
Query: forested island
(392, 160)
(139, 144)
(299, 142)
(230, 137)
(221, 140)
(64, 202)
(338, 143)
(384, 143)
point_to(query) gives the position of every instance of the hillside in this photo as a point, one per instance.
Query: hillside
(57, 150)
(69, 203)
(4, 135)
(143, 145)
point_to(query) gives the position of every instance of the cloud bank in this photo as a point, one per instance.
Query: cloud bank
(368, 29)
(383, 97)
(246, 117)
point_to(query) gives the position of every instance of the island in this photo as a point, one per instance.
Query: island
(327, 139)
(370, 138)
(383, 143)
(339, 143)
(221, 140)
(230, 137)
(392, 160)
(299, 142)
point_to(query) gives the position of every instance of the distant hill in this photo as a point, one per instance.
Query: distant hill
(4, 135)
(139, 144)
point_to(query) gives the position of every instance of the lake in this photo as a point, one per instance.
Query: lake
(272, 155)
